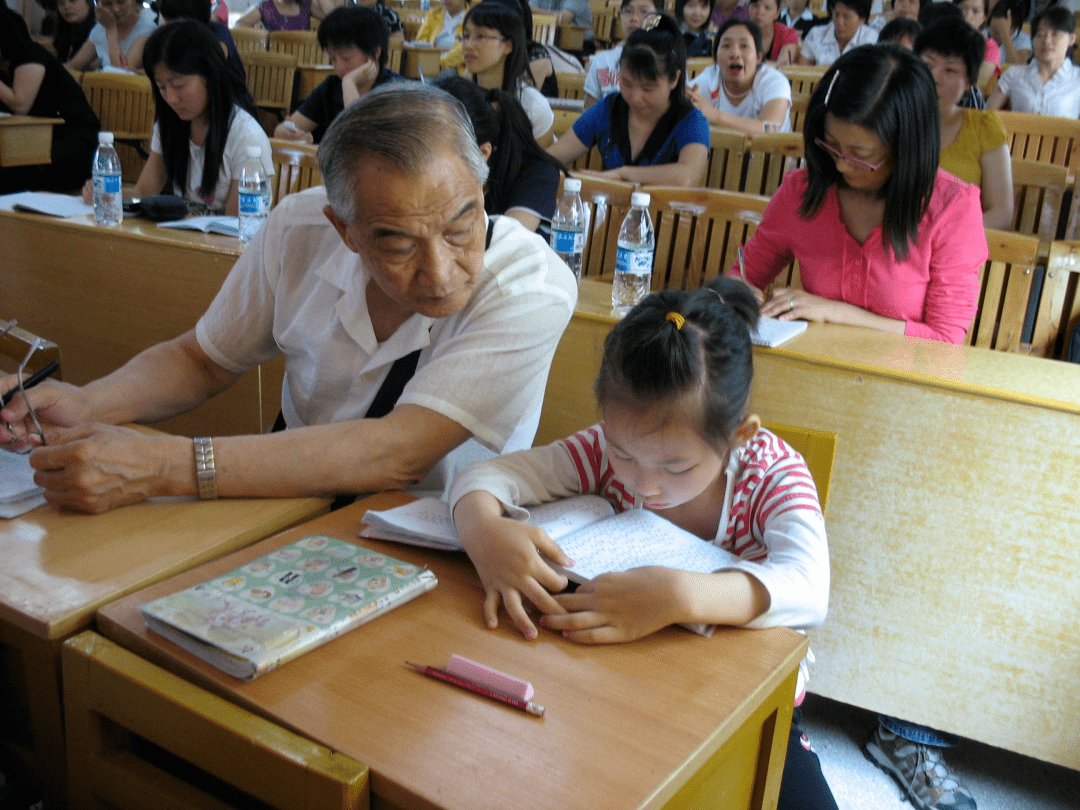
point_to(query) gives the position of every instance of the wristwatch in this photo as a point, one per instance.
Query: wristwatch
(205, 471)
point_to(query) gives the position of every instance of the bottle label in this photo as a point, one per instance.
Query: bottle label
(251, 204)
(568, 241)
(636, 262)
(107, 184)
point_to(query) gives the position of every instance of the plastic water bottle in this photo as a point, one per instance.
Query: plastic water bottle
(634, 259)
(254, 195)
(108, 196)
(425, 5)
(568, 226)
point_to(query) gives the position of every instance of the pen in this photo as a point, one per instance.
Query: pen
(39, 375)
(742, 266)
(438, 674)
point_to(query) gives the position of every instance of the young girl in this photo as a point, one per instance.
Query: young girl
(118, 37)
(75, 20)
(602, 77)
(779, 43)
(200, 133)
(1050, 83)
(693, 16)
(976, 13)
(648, 132)
(740, 91)
(677, 439)
(1007, 30)
(496, 57)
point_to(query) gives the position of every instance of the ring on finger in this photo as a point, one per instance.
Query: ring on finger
(791, 303)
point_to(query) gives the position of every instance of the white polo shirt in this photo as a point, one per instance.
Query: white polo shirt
(1060, 96)
(298, 290)
(820, 43)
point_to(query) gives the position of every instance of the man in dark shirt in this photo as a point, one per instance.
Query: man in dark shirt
(357, 41)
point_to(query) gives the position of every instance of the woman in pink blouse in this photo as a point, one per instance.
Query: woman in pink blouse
(883, 238)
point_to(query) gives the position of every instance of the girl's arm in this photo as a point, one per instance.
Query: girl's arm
(133, 57)
(22, 93)
(773, 111)
(996, 189)
(301, 128)
(152, 177)
(251, 19)
(83, 58)
(687, 171)
(232, 199)
(795, 304)
(568, 148)
(527, 218)
(997, 100)
(786, 55)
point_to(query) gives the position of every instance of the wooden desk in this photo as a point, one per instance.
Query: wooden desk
(26, 140)
(60, 566)
(311, 76)
(105, 294)
(952, 520)
(661, 722)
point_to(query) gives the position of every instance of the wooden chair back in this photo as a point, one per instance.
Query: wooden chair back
(296, 167)
(571, 85)
(395, 54)
(804, 78)
(15, 343)
(769, 158)
(698, 232)
(800, 102)
(727, 148)
(544, 26)
(1038, 192)
(1058, 311)
(564, 120)
(1004, 291)
(249, 39)
(139, 737)
(124, 103)
(607, 202)
(1043, 138)
(603, 24)
(270, 79)
(304, 45)
(417, 59)
(818, 449)
(696, 64)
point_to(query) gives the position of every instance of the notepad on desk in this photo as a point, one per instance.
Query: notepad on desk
(18, 492)
(585, 527)
(283, 604)
(772, 332)
(45, 202)
(226, 226)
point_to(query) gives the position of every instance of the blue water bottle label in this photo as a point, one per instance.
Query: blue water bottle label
(251, 204)
(107, 183)
(636, 262)
(568, 241)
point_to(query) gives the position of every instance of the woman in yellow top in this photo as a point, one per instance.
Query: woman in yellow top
(442, 27)
(974, 146)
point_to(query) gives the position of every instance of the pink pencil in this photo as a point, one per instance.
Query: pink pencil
(442, 675)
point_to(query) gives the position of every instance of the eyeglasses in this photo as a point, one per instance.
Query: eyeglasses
(637, 12)
(651, 21)
(23, 444)
(465, 39)
(857, 162)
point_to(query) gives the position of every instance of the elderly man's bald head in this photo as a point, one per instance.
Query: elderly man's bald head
(403, 124)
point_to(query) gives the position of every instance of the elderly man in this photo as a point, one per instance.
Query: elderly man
(403, 336)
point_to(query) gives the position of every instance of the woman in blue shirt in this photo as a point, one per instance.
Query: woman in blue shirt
(648, 132)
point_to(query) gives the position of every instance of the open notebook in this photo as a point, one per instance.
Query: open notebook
(772, 332)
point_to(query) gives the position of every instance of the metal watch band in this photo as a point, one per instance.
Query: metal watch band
(205, 471)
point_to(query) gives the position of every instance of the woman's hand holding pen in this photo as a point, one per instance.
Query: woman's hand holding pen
(506, 554)
(56, 404)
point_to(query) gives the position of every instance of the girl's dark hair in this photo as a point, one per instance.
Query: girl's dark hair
(657, 4)
(749, 25)
(1019, 9)
(955, 38)
(889, 91)
(356, 26)
(861, 8)
(681, 4)
(1058, 18)
(499, 119)
(507, 21)
(898, 28)
(189, 48)
(934, 13)
(651, 363)
(660, 51)
(185, 9)
(69, 38)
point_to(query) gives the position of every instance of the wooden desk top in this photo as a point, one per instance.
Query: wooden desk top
(626, 724)
(139, 229)
(27, 120)
(998, 375)
(60, 566)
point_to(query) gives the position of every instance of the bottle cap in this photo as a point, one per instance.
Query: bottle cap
(571, 185)
(253, 151)
(641, 198)
(105, 138)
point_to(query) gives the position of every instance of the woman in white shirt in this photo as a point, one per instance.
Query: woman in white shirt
(823, 44)
(740, 91)
(496, 56)
(201, 134)
(117, 40)
(1050, 83)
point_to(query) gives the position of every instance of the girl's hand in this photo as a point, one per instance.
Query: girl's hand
(697, 99)
(363, 78)
(88, 192)
(506, 555)
(619, 607)
(105, 16)
(1001, 28)
(794, 304)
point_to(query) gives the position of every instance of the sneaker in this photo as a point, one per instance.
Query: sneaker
(920, 770)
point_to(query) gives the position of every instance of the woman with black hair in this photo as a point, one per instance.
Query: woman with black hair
(648, 132)
(1050, 83)
(1007, 29)
(74, 19)
(695, 17)
(200, 10)
(523, 179)
(884, 239)
(35, 83)
(497, 57)
(847, 29)
(201, 133)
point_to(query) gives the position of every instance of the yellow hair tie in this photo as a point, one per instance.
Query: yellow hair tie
(676, 319)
